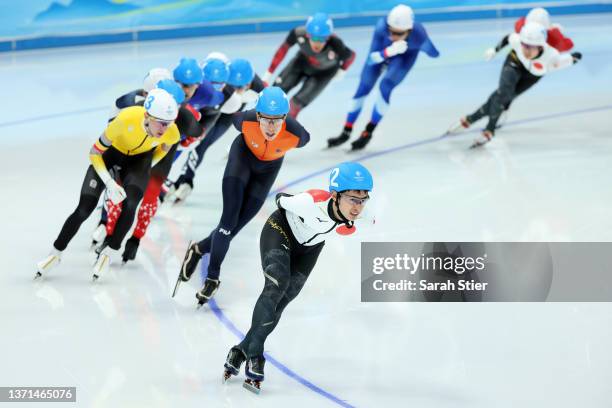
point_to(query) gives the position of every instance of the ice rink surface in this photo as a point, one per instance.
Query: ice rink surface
(123, 342)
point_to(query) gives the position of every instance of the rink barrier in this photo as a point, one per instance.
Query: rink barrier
(218, 29)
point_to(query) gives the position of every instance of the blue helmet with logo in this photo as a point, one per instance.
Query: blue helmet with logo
(216, 71)
(188, 72)
(350, 176)
(174, 89)
(272, 101)
(319, 26)
(240, 73)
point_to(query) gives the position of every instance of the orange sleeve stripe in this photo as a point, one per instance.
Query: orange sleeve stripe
(99, 148)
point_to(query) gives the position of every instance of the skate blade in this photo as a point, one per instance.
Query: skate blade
(176, 286)
(226, 376)
(476, 145)
(201, 303)
(253, 386)
(95, 277)
(38, 275)
(101, 268)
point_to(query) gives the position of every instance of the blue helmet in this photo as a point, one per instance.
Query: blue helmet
(174, 89)
(188, 72)
(319, 26)
(272, 101)
(350, 176)
(215, 70)
(240, 73)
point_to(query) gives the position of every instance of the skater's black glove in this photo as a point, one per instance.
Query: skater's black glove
(577, 56)
(278, 197)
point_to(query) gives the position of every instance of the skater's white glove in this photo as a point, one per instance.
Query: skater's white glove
(267, 78)
(115, 192)
(339, 76)
(489, 54)
(396, 48)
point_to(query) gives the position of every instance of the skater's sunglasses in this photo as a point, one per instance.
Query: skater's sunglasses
(271, 121)
(318, 39)
(529, 46)
(188, 85)
(356, 200)
(162, 122)
(218, 85)
(398, 33)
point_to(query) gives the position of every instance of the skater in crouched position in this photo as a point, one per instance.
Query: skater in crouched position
(394, 50)
(255, 158)
(138, 138)
(529, 60)
(322, 56)
(290, 243)
(187, 78)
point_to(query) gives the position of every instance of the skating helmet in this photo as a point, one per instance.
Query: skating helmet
(217, 55)
(319, 26)
(216, 71)
(161, 105)
(350, 176)
(153, 77)
(240, 73)
(533, 34)
(538, 15)
(174, 89)
(272, 101)
(401, 17)
(188, 72)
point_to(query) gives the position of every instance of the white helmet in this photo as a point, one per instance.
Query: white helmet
(533, 34)
(401, 17)
(161, 105)
(538, 15)
(154, 76)
(217, 55)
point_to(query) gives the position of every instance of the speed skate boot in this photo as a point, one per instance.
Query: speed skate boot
(363, 140)
(103, 263)
(458, 126)
(51, 261)
(183, 191)
(483, 138)
(233, 362)
(207, 291)
(254, 371)
(338, 140)
(131, 248)
(98, 235)
(190, 262)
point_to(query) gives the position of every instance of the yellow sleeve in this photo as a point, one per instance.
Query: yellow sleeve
(104, 142)
(158, 154)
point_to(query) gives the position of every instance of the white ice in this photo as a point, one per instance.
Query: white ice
(123, 342)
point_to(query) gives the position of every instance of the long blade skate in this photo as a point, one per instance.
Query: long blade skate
(179, 279)
(176, 286)
(207, 292)
(457, 127)
(252, 385)
(46, 265)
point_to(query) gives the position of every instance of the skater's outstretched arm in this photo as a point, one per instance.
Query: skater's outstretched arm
(502, 44)
(425, 43)
(279, 55)
(565, 60)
